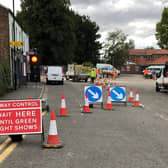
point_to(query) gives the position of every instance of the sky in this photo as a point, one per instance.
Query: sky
(136, 18)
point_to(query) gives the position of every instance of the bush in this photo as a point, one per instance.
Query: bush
(4, 77)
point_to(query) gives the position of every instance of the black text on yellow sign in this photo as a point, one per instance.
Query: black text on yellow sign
(16, 43)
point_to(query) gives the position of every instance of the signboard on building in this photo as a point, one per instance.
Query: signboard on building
(20, 117)
(16, 43)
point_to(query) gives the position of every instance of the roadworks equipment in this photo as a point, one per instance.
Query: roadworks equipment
(108, 86)
(109, 104)
(131, 97)
(137, 104)
(86, 108)
(53, 140)
(63, 111)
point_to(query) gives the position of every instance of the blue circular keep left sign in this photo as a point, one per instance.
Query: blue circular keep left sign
(94, 93)
(118, 94)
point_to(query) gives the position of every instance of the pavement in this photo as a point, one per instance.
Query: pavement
(31, 89)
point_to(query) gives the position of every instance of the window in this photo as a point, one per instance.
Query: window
(137, 68)
(128, 68)
(122, 68)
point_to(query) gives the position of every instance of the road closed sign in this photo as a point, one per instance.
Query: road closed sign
(20, 117)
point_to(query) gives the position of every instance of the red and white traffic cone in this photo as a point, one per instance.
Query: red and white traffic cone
(109, 104)
(63, 111)
(53, 140)
(137, 104)
(131, 97)
(104, 85)
(86, 108)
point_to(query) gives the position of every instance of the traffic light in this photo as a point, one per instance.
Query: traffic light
(34, 68)
(34, 59)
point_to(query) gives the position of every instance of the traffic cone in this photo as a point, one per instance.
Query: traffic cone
(131, 97)
(53, 140)
(63, 111)
(104, 85)
(86, 108)
(109, 104)
(136, 104)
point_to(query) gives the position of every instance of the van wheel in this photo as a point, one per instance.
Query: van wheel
(62, 82)
(47, 82)
(157, 88)
(16, 138)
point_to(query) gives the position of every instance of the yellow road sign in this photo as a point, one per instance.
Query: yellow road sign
(16, 43)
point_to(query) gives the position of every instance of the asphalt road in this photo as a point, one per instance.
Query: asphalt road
(126, 137)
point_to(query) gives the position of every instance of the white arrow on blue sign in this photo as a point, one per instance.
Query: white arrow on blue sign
(94, 93)
(118, 94)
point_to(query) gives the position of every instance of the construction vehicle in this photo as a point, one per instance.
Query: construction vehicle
(78, 72)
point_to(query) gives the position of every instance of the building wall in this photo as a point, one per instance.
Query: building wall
(4, 34)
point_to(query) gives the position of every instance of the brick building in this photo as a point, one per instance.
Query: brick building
(15, 56)
(141, 58)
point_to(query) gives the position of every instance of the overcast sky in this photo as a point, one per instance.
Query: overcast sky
(137, 18)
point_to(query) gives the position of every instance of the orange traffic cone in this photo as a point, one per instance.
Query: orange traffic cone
(136, 104)
(63, 111)
(131, 97)
(86, 108)
(109, 104)
(53, 140)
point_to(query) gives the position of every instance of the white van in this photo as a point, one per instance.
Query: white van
(54, 74)
(162, 79)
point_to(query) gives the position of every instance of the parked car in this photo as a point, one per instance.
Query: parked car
(162, 79)
(153, 70)
(55, 74)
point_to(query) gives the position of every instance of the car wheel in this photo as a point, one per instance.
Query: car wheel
(157, 88)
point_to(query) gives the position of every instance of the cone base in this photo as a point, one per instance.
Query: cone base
(108, 107)
(131, 99)
(136, 104)
(60, 145)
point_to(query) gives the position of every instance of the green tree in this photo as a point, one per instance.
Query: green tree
(87, 36)
(162, 30)
(60, 35)
(116, 48)
(51, 29)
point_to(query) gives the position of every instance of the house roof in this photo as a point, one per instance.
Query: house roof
(160, 60)
(147, 51)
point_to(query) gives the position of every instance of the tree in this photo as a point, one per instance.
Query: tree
(87, 36)
(60, 35)
(162, 30)
(116, 48)
(130, 44)
(50, 28)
